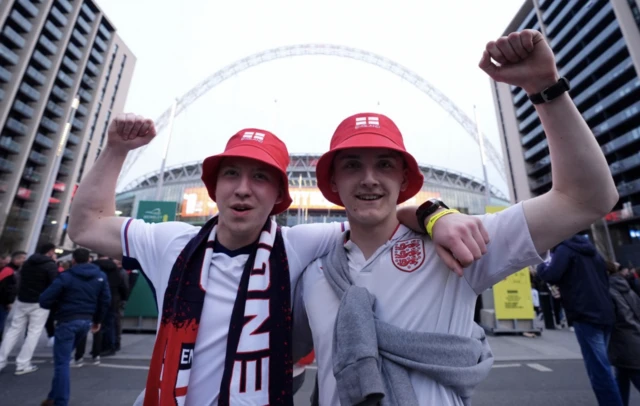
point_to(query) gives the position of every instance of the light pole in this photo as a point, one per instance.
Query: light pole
(483, 159)
(51, 179)
(166, 150)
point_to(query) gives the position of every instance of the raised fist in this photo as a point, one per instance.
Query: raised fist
(129, 131)
(525, 60)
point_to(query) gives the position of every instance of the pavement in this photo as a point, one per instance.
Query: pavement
(545, 370)
(551, 345)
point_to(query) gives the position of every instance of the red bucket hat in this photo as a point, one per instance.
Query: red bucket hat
(367, 130)
(256, 144)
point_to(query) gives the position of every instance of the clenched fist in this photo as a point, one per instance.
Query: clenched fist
(129, 131)
(525, 60)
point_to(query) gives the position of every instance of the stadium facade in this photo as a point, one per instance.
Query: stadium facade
(182, 185)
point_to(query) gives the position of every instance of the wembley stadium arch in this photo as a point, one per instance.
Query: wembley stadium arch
(328, 50)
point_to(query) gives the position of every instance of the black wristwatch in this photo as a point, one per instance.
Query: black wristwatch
(428, 208)
(551, 92)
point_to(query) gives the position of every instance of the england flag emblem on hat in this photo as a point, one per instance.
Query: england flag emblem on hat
(367, 122)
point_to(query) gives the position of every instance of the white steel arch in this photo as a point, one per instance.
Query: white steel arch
(330, 50)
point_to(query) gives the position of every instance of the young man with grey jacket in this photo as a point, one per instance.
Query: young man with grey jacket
(390, 323)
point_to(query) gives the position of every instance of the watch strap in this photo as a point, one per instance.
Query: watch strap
(552, 92)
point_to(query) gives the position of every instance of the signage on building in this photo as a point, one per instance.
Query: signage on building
(156, 212)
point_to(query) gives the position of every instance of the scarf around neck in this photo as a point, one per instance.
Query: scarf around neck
(258, 364)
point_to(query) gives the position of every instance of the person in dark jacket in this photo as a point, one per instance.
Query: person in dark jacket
(82, 297)
(9, 285)
(580, 273)
(37, 273)
(624, 346)
(119, 291)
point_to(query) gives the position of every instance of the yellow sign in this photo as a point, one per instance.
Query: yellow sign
(512, 297)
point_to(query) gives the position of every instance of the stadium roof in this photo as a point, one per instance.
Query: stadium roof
(301, 172)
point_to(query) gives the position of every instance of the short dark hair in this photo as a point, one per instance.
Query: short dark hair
(81, 255)
(16, 254)
(46, 247)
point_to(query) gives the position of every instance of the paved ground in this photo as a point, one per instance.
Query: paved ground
(118, 382)
(547, 371)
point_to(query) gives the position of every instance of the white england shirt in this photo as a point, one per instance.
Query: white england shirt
(157, 246)
(415, 290)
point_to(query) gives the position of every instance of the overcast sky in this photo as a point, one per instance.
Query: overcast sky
(302, 99)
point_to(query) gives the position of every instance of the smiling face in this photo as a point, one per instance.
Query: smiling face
(246, 192)
(369, 181)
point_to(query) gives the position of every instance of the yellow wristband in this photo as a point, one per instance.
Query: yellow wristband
(436, 217)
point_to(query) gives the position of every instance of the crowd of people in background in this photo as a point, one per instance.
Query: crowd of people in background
(600, 301)
(23, 279)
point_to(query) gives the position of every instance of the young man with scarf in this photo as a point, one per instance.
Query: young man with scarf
(223, 290)
(390, 324)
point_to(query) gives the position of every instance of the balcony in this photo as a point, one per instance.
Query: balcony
(74, 51)
(65, 79)
(83, 25)
(37, 158)
(9, 145)
(86, 10)
(77, 124)
(20, 213)
(49, 47)
(6, 166)
(79, 38)
(30, 175)
(23, 24)
(84, 95)
(53, 30)
(49, 124)
(58, 18)
(93, 70)
(82, 110)
(59, 94)
(55, 109)
(104, 31)
(628, 188)
(35, 75)
(90, 83)
(28, 7)
(97, 57)
(44, 141)
(70, 65)
(41, 60)
(5, 75)
(622, 141)
(628, 163)
(31, 93)
(537, 184)
(539, 147)
(22, 109)
(64, 170)
(8, 55)
(17, 127)
(68, 154)
(73, 139)
(15, 38)
(100, 44)
(65, 5)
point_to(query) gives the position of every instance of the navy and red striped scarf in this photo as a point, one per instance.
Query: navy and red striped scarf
(258, 365)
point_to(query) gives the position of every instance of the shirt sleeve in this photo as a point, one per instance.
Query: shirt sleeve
(308, 242)
(510, 249)
(146, 242)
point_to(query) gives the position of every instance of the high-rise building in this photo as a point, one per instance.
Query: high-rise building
(64, 72)
(597, 47)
